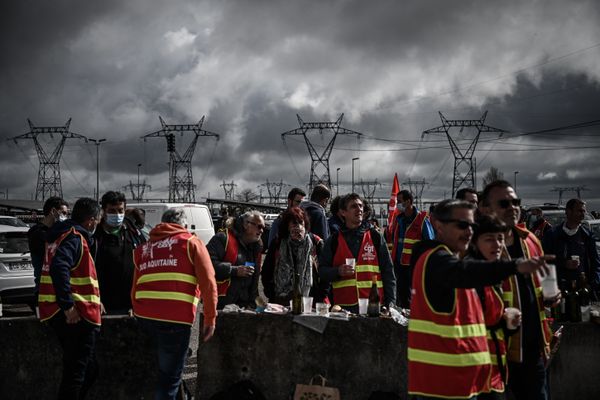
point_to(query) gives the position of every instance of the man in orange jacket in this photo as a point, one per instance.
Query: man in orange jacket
(172, 271)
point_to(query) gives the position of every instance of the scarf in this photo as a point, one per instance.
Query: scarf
(294, 257)
(568, 231)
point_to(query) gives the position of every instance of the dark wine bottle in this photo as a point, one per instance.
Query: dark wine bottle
(296, 296)
(374, 308)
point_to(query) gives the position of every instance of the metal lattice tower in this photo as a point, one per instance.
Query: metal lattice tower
(464, 162)
(48, 181)
(416, 188)
(181, 182)
(274, 189)
(561, 190)
(229, 190)
(368, 189)
(137, 190)
(320, 162)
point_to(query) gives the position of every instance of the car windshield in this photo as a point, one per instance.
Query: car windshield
(14, 242)
(12, 222)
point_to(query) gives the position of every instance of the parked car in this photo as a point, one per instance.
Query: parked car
(554, 214)
(16, 270)
(199, 220)
(12, 221)
(594, 227)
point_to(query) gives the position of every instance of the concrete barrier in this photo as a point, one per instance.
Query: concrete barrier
(31, 360)
(358, 357)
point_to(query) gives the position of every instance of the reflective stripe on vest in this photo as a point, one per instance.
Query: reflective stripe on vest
(412, 235)
(82, 279)
(347, 291)
(231, 253)
(531, 247)
(452, 345)
(166, 291)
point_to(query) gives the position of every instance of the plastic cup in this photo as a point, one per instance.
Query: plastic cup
(549, 283)
(511, 314)
(351, 261)
(363, 305)
(322, 309)
(575, 258)
(307, 304)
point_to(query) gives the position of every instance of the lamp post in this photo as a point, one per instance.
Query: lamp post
(516, 172)
(354, 159)
(97, 142)
(337, 182)
(138, 185)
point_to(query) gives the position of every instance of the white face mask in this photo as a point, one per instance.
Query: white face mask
(401, 207)
(62, 217)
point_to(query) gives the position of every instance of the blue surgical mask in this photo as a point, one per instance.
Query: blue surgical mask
(115, 219)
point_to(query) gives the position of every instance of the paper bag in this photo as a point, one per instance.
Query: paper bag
(316, 392)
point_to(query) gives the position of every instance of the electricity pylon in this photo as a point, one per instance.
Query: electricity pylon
(229, 189)
(464, 162)
(274, 189)
(319, 161)
(48, 181)
(181, 182)
(416, 188)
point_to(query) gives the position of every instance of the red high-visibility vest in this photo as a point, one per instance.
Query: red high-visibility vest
(166, 287)
(448, 355)
(231, 253)
(83, 280)
(492, 315)
(413, 235)
(347, 290)
(531, 247)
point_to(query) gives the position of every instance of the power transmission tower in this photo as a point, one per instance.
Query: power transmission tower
(229, 190)
(561, 190)
(274, 189)
(368, 189)
(48, 181)
(464, 162)
(181, 183)
(416, 188)
(137, 190)
(319, 162)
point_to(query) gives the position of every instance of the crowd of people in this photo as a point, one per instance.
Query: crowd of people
(462, 268)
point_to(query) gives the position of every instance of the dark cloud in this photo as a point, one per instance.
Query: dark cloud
(250, 67)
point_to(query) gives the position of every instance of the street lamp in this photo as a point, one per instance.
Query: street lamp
(337, 182)
(97, 142)
(515, 186)
(354, 159)
(138, 185)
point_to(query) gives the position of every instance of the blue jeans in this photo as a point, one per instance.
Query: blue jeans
(527, 380)
(171, 341)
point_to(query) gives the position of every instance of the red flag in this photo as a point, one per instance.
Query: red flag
(392, 205)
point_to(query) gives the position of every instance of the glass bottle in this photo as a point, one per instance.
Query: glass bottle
(374, 308)
(573, 307)
(296, 296)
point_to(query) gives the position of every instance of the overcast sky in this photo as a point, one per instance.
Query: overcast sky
(251, 66)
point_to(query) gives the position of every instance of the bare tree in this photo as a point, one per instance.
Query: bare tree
(494, 174)
(246, 195)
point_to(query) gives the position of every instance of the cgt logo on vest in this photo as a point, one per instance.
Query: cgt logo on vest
(147, 249)
(368, 252)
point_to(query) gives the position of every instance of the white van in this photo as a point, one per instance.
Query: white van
(199, 220)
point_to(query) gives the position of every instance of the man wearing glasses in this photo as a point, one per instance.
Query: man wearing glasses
(446, 331)
(235, 256)
(529, 348)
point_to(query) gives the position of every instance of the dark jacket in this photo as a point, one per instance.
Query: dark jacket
(242, 291)
(335, 223)
(318, 291)
(36, 236)
(114, 265)
(317, 218)
(446, 272)
(329, 272)
(66, 257)
(557, 242)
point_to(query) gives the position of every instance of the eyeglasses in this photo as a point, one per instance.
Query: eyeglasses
(259, 226)
(460, 224)
(505, 203)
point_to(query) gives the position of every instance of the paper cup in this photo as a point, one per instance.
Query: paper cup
(363, 305)
(549, 283)
(351, 261)
(511, 314)
(307, 305)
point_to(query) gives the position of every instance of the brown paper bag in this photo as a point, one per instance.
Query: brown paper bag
(316, 392)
